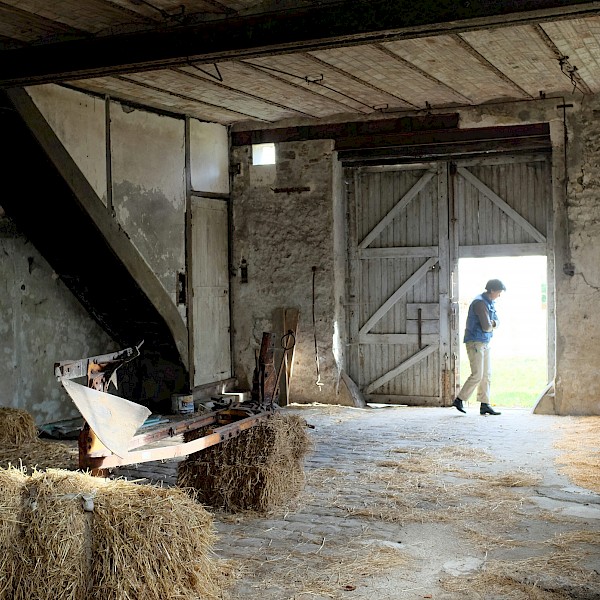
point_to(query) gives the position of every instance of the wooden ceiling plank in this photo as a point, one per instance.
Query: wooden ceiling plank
(405, 63)
(442, 57)
(579, 39)
(183, 96)
(267, 71)
(521, 55)
(111, 88)
(239, 91)
(564, 64)
(299, 69)
(20, 18)
(312, 27)
(370, 64)
(361, 82)
(486, 63)
(118, 9)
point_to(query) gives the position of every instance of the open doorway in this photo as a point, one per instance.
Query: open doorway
(519, 346)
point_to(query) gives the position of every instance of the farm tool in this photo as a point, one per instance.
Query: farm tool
(111, 435)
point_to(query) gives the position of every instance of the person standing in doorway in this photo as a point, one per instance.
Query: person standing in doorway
(481, 322)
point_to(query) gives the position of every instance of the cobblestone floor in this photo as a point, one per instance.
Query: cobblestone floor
(422, 503)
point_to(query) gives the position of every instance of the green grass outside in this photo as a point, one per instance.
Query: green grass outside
(516, 381)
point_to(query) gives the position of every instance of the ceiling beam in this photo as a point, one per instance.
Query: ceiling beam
(347, 131)
(442, 136)
(286, 30)
(431, 144)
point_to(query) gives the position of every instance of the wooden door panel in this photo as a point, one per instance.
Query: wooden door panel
(502, 204)
(397, 239)
(210, 288)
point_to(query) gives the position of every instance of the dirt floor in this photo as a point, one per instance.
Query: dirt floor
(406, 503)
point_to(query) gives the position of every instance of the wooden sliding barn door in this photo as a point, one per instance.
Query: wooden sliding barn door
(399, 329)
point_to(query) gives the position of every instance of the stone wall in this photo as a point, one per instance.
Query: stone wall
(274, 233)
(282, 235)
(578, 326)
(41, 323)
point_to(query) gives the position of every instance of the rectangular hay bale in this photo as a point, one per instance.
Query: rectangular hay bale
(151, 543)
(258, 470)
(70, 536)
(54, 558)
(12, 490)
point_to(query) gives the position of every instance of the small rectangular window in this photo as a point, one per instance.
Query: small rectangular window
(263, 154)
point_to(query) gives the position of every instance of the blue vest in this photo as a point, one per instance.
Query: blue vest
(473, 330)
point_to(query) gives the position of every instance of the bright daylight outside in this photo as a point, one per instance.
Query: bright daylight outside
(518, 348)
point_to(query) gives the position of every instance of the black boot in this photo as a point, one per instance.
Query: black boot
(458, 404)
(486, 409)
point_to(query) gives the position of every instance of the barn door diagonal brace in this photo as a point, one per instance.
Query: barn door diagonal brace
(401, 204)
(502, 205)
(413, 360)
(401, 291)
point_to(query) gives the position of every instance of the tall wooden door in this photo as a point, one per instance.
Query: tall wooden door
(409, 225)
(210, 291)
(399, 328)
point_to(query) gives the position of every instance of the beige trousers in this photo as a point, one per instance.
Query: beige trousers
(481, 372)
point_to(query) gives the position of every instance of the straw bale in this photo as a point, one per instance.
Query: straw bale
(40, 454)
(258, 470)
(132, 542)
(16, 427)
(55, 546)
(239, 486)
(12, 486)
(151, 543)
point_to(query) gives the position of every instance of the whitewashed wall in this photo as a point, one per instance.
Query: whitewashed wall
(149, 195)
(209, 157)
(79, 121)
(43, 320)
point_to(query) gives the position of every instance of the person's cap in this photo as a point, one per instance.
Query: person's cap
(495, 285)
